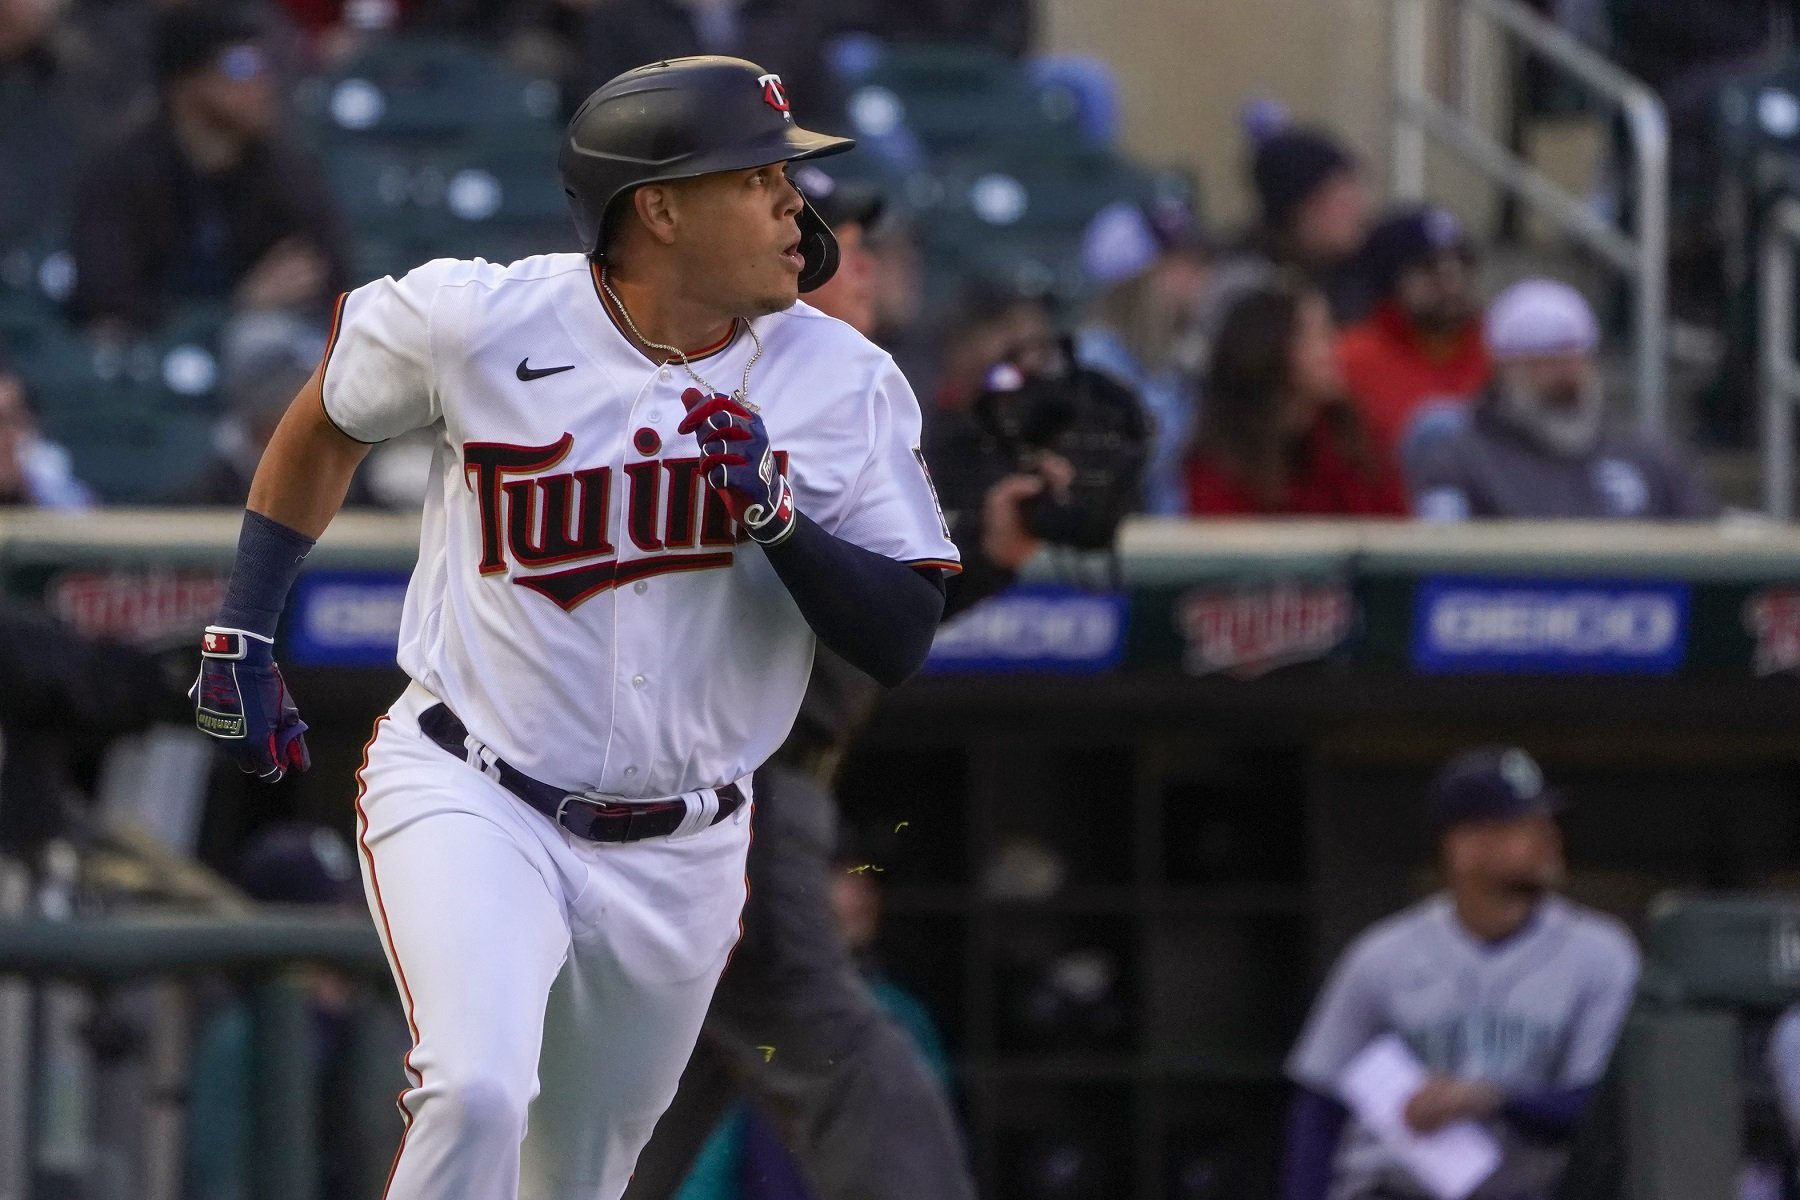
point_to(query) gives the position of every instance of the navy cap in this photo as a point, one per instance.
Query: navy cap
(296, 863)
(189, 37)
(1406, 238)
(840, 201)
(1290, 165)
(1494, 783)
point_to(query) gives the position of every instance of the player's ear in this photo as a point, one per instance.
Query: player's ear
(656, 205)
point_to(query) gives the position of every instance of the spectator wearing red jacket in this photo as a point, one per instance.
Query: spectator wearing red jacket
(1278, 434)
(1419, 359)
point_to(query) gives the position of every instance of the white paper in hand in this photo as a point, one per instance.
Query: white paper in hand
(1450, 1163)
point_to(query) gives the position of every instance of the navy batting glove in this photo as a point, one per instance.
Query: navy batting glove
(739, 464)
(241, 700)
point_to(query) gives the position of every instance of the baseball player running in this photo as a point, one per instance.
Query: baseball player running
(1510, 996)
(657, 479)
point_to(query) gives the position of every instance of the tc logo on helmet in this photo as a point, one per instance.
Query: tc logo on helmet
(774, 95)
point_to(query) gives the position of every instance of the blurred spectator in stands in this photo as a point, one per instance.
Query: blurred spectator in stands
(1149, 265)
(1419, 358)
(745, 1158)
(264, 360)
(34, 473)
(1313, 216)
(1538, 443)
(59, 692)
(1783, 1062)
(1509, 996)
(287, 864)
(67, 77)
(989, 322)
(1278, 432)
(1005, 25)
(785, 36)
(206, 200)
(854, 211)
(330, 31)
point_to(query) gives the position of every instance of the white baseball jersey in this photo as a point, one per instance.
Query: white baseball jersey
(582, 600)
(1540, 1010)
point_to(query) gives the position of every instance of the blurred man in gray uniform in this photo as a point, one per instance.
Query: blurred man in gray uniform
(1510, 997)
(1538, 444)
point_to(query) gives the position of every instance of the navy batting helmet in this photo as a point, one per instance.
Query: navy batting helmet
(681, 118)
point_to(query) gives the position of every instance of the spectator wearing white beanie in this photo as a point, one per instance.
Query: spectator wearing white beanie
(1538, 444)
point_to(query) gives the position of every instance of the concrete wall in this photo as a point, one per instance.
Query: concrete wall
(1186, 68)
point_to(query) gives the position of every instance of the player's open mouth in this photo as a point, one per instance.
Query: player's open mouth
(793, 256)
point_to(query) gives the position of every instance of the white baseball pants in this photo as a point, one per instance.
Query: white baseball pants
(554, 986)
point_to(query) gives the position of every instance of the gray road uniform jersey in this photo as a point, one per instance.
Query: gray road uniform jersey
(1539, 1011)
(1490, 469)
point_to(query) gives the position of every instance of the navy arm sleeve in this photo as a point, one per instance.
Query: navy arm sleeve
(877, 614)
(1553, 1113)
(1315, 1123)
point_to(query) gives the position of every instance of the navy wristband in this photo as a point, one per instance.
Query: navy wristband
(268, 561)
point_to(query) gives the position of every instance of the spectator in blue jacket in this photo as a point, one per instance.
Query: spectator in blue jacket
(1150, 266)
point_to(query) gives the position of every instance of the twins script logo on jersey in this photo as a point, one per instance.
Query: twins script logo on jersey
(542, 519)
(774, 94)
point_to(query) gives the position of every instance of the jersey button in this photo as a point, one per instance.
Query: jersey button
(637, 681)
(664, 373)
(640, 587)
(630, 772)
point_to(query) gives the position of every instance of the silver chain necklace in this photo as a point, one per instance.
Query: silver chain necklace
(743, 393)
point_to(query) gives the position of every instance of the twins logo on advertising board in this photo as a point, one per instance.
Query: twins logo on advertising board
(1248, 631)
(1772, 618)
(135, 605)
(1465, 625)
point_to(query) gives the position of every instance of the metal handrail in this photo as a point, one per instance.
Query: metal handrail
(1778, 366)
(264, 948)
(1419, 115)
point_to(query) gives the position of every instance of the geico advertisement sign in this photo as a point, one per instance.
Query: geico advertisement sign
(1035, 627)
(345, 619)
(1549, 626)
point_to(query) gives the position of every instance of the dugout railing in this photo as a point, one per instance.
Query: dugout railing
(1444, 39)
(126, 969)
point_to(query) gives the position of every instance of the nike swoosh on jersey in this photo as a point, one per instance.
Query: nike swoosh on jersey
(527, 372)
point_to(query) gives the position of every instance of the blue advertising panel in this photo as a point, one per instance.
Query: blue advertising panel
(1035, 627)
(1522, 626)
(345, 619)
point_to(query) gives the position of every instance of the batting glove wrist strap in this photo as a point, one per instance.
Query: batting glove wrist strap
(739, 464)
(241, 700)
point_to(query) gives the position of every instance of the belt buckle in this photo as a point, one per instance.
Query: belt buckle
(562, 808)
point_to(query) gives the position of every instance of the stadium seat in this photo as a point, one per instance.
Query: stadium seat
(1087, 86)
(954, 98)
(418, 88)
(492, 194)
(1022, 219)
(131, 442)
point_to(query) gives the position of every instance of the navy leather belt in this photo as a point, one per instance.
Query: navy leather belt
(584, 816)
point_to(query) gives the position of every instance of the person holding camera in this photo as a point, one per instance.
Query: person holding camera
(793, 1023)
(1279, 434)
